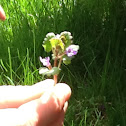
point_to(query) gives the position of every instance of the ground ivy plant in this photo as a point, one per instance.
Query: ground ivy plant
(63, 51)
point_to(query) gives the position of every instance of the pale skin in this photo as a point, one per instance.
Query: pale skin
(2, 14)
(41, 104)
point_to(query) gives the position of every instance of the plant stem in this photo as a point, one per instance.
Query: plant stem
(50, 67)
(55, 62)
(60, 62)
(55, 79)
(55, 76)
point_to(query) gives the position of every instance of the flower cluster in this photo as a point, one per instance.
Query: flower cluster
(63, 50)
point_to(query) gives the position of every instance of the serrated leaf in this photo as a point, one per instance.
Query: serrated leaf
(66, 38)
(57, 42)
(46, 43)
(46, 71)
(53, 71)
(50, 35)
(47, 46)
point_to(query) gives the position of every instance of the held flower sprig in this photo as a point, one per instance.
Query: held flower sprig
(63, 50)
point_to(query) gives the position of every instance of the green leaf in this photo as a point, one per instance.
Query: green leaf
(43, 70)
(46, 43)
(66, 60)
(47, 46)
(57, 42)
(66, 38)
(53, 71)
(50, 35)
(46, 71)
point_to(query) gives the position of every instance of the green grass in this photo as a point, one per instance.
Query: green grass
(96, 76)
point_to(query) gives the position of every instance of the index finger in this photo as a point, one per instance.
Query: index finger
(14, 96)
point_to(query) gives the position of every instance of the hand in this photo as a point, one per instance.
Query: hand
(2, 14)
(42, 104)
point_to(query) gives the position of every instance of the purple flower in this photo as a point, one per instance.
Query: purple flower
(72, 50)
(45, 61)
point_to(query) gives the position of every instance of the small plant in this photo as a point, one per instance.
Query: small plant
(63, 50)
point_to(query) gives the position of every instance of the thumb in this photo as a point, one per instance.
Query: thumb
(49, 108)
(46, 111)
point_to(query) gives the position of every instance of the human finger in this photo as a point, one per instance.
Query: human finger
(2, 14)
(60, 120)
(14, 96)
(54, 107)
(49, 109)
